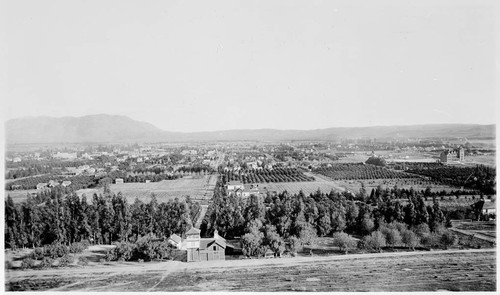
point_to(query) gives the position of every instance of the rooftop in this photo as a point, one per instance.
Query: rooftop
(193, 231)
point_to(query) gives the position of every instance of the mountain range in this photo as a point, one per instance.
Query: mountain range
(121, 129)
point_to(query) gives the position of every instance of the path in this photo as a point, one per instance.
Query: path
(475, 235)
(458, 270)
(202, 215)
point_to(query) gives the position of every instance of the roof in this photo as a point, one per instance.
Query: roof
(175, 238)
(489, 205)
(193, 231)
(205, 243)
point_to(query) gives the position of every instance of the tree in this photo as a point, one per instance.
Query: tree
(351, 216)
(375, 241)
(410, 214)
(377, 161)
(422, 229)
(410, 239)
(251, 242)
(367, 225)
(362, 192)
(344, 242)
(436, 217)
(307, 235)
(295, 244)
(273, 240)
(393, 237)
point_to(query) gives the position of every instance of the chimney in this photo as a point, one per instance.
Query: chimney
(216, 234)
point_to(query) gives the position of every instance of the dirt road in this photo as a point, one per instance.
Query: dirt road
(469, 270)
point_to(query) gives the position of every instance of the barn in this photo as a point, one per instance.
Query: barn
(203, 249)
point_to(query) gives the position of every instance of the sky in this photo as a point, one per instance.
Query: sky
(216, 65)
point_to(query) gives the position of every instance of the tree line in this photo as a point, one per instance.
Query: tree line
(481, 177)
(104, 219)
(290, 221)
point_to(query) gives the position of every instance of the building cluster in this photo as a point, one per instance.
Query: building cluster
(200, 249)
(452, 155)
(240, 190)
(52, 183)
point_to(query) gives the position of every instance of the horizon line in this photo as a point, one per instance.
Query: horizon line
(247, 129)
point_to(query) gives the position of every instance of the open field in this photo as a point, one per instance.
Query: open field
(417, 184)
(198, 188)
(485, 230)
(19, 195)
(412, 156)
(453, 270)
(489, 160)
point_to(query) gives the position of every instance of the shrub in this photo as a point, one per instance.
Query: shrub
(448, 239)
(27, 263)
(83, 260)
(38, 254)
(161, 250)
(110, 256)
(440, 229)
(124, 250)
(46, 262)
(344, 241)
(66, 260)
(77, 247)
(56, 250)
(430, 240)
(8, 264)
(85, 243)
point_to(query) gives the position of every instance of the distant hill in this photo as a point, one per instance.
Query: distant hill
(118, 129)
(94, 128)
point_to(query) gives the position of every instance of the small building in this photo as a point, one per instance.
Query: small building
(489, 208)
(175, 241)
(201, 249)
(41, 185)
(234, 185)
(66, 183)
(119, 180)
(269, 254)
(53, 183)
(65, 156)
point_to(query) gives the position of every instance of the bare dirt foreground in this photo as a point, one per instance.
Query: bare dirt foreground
(453, 270)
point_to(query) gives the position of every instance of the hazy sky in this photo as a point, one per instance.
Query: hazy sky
(211, 65)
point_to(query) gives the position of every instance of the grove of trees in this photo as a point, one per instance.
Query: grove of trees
(58, 218)
(286, 221)
(279, 174)
(349, 171)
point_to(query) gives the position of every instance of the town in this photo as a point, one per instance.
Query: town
(362, 180)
